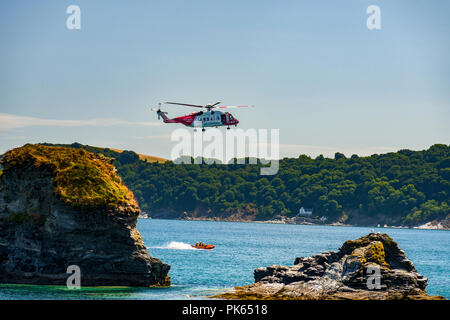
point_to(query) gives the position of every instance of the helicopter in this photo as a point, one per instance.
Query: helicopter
(203, 119)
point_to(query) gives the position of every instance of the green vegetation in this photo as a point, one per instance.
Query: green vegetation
(374, 253)
(23, 217)
(124, 156)
(82, 178)
(18, 218)
(404, 187)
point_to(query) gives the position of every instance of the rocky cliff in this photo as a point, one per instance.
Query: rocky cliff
(65, 206)
(372, 267)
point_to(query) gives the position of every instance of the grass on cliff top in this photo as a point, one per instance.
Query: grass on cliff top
(144, 157)
(82, 178)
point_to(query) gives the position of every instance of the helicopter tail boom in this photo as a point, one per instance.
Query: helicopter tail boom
(162, 114)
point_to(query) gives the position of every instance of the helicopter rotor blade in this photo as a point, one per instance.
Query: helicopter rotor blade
(232, 107)
(208, 106)
(185, 104)
(214, 105)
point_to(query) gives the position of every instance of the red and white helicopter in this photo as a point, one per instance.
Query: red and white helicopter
(202, 119)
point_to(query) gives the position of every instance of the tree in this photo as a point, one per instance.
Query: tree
(339, 155)
(405, 186)
(229, 196)
(127, 157)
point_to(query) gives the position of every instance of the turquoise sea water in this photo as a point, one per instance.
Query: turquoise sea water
(240, 248)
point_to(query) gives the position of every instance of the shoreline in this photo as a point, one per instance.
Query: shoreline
(426, 226)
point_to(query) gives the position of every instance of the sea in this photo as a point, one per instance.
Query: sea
(240, 248)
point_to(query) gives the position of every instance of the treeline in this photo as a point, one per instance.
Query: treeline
(404, 187)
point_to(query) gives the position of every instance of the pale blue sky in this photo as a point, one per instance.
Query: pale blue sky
(311, 68)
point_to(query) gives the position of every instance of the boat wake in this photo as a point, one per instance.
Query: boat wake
(175, 245)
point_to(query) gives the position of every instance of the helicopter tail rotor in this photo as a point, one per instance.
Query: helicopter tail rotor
(159, 112)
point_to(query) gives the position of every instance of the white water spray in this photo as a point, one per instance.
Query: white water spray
(175, 245)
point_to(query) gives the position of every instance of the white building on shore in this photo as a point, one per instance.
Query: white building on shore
(305, 212)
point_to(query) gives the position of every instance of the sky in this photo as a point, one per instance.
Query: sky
(311, 69)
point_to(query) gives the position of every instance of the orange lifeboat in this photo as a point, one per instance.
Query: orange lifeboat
(201, 245)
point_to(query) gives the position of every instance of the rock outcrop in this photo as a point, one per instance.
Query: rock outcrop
(371, 267)
(65, 206)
